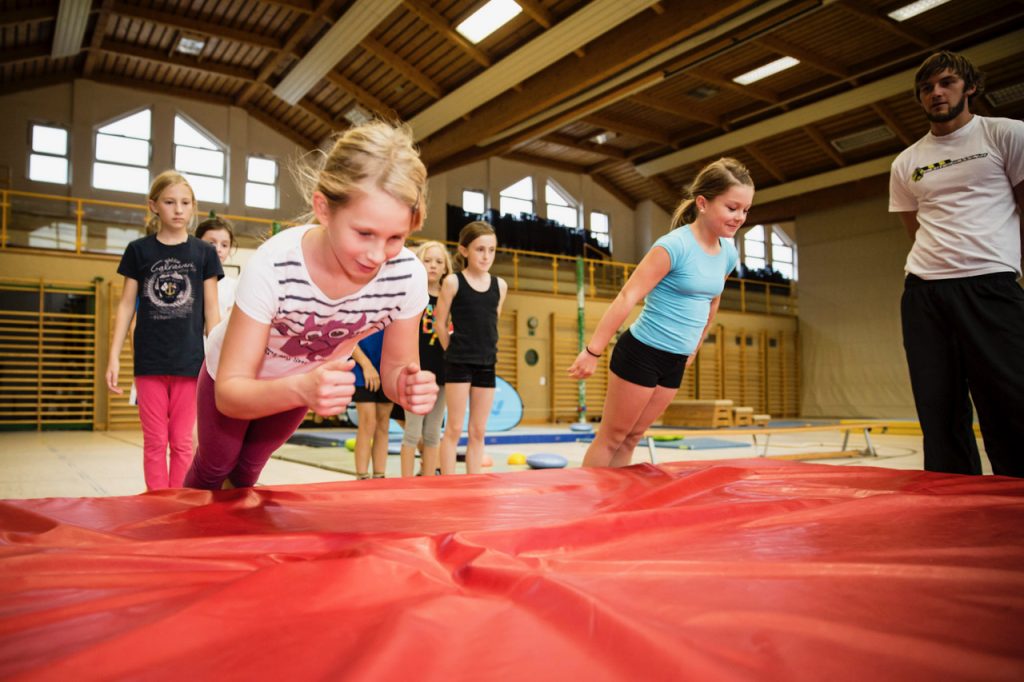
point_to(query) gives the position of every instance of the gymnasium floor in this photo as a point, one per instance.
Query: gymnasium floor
(94, 464)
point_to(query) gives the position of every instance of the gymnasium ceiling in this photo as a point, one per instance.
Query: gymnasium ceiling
(635, 93)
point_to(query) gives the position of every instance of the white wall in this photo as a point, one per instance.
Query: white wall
(83, 105)
(851, 280)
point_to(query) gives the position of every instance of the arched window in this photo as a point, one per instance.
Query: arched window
(562, 208)
(122, 154)
(201, 159)
(517, 198)
(754, 255)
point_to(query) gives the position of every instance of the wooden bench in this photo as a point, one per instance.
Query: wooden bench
(706, 414)
(767, 431)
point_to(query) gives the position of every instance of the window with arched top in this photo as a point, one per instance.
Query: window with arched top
(517, 198)
(754, 253)
(201, 159)
(122, 153)
(562, 208)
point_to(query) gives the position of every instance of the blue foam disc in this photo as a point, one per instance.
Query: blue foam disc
(584, 427)
(546, 460)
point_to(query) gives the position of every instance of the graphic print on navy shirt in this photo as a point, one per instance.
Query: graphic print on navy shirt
(168, 288)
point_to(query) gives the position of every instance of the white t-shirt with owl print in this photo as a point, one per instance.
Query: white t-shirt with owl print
(306, 326)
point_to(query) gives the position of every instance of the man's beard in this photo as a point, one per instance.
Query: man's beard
(951, 113)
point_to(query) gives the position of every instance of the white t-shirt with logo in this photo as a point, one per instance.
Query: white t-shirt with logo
(961, 186)
(306, 326)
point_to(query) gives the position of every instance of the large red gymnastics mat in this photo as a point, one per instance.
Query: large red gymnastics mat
(735, 570)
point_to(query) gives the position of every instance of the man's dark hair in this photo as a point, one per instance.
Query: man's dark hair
(956, 63)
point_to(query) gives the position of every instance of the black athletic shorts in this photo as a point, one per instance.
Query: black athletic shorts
(364, 395)
(640, 364)
(480, 376)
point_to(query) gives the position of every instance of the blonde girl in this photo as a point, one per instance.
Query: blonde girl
(473, 297)
(682, 278)
(438, 264)
(171, 278)
(305, 299)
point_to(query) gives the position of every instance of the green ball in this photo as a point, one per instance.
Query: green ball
(351, 444)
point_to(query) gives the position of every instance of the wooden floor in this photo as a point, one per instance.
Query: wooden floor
(101, 463)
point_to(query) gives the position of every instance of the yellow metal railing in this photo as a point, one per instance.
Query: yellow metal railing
(526, 271)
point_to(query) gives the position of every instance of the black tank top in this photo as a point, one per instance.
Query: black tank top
(475, 318)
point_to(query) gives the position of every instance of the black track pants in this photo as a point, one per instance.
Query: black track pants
(966, 335)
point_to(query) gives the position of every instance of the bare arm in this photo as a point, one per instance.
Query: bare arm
(651, 270)
(909, 219)
(211, 304)
(502, 293)
(371, 378)
(1018, 194)
(449, 287)
(403, 381)
(327, 390)
(122, 321)
(711, 318)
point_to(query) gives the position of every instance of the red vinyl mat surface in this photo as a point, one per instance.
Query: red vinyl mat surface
(735, 570)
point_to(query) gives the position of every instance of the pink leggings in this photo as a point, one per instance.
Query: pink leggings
(235, 449)
(167, 410)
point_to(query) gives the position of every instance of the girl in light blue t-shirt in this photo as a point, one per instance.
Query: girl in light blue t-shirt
(681, 280)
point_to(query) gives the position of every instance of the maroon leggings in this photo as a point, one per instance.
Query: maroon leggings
(234, 449)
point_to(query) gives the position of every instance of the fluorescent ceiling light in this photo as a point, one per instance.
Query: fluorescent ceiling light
(768, 69)
(915, 8)
(72, 16)
(191, 44)
(356, 115)
(488, 19)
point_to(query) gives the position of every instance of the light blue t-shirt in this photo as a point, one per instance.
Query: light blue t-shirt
(676, 310)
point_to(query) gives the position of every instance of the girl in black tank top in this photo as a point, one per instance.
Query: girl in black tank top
(474, 298)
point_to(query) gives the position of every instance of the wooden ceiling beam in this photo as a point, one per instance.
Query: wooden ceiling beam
(688, 111)
(535, 160)
(585, 146)
(304, 6)
(608, 186)
(29, 15)
(28, 53)
(786, 48)
(361, 95)
(178, 60)
(885, 113)
(627, 128)
(99, 31)
(163, 89)
(765, 162)
(643, 37)
(274, 60)
(755, 91)
(193, 25)
(394, 61)
(605, 166)
(665, 187)
(441, 25)
(824, 145)
(275, 125)
(537, 12)
(319, 113)
(919, 38)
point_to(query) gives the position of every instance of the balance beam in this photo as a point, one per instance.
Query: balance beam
(768, 431)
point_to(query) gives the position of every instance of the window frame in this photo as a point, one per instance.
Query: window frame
(483, 199)
(607, 234)
(66, 157)
(532, 200)
(98, 130)
(221, 147)
(571, 203)
(275, 186)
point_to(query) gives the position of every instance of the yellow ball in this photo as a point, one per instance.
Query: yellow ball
(517, 458)
(351, 444)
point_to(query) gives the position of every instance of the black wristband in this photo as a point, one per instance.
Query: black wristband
(590, 352)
